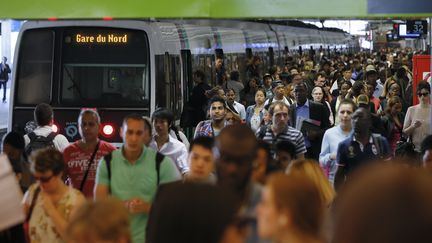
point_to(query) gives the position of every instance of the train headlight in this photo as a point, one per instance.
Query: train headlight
(107, 130)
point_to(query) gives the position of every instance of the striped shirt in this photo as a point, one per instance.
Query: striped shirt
(289, 134)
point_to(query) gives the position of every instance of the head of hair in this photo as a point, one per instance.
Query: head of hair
(235, 75)
(267, 148)
(89, 111)
(137, 117)
(261, 90)
(423, 85)
(200, 74)
(92, 223)
(299, 197)
(204, 141)
(302, 84)
(49, 159)
(276, 104)
(214, 92)
(217, 99)
(181, 212)
(312, 170)
(391, 102)
(385, 203)
(14, 139)
(43, 114)
(426, 144)
(348, 102)
(357, 87)
(286, 146)
(163, 114)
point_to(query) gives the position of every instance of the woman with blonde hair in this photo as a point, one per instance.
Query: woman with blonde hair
(105, 220)
(310, 169)
(290, 210)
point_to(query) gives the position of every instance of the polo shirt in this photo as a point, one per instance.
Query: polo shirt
(136, 180)
(352, 154)
(289, 134)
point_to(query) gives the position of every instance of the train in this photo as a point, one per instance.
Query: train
(134, 66)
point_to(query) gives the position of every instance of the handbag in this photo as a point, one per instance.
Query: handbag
(26, 226)
(405, 148)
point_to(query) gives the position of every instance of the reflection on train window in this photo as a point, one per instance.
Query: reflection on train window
(34, 75)
(103, 84)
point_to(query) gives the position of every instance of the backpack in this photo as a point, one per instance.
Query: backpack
(39, 142)
(159, 158)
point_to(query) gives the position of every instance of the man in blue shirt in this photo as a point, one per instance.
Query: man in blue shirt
(314, 117)
(360, 148)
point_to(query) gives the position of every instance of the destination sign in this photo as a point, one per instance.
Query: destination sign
(101, 38)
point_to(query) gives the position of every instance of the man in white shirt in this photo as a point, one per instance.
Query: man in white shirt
(239, 108)
(44, 117)
(166, 144)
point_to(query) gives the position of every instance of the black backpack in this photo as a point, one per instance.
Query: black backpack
(39, 142)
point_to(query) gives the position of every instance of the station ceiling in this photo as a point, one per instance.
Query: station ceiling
(325, 9)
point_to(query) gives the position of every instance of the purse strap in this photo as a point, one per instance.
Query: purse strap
(32, 204)
(89, 164)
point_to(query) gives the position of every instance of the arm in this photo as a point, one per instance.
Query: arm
(339, 177)
(300, 146)
(340, 172)
(197, 129)
(101, 189)
(60, 222)
(409, 126)
(325, 156)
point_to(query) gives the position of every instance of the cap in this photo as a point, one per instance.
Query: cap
(370, 68)
(266, 75)
(277, 83)
(362, 99)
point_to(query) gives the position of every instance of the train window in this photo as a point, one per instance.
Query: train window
(105, 66)
(35, 64)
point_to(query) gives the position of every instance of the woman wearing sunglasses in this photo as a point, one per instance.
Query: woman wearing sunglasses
(49, 202)
(417, 119)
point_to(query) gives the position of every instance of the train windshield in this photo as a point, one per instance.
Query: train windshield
(97, 67)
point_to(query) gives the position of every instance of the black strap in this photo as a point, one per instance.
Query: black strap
(89, 164)
(107, 159)
(32, 204)
(159, 159)
(32, 136)
(51, 136)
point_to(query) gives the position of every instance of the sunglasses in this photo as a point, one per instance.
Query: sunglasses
(43, 179)
(423, 94)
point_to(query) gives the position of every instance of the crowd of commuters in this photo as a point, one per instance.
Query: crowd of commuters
(311, 151)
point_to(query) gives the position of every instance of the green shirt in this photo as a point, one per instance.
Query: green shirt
(136, 180)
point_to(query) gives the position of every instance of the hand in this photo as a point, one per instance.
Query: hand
(137, 205)
(47, 203)
(417, 124)
(333, 156)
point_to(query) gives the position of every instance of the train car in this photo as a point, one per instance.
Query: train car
(125, 66)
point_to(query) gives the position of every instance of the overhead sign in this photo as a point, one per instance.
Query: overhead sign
(399, 7)
(136, 9)
(417, 27)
